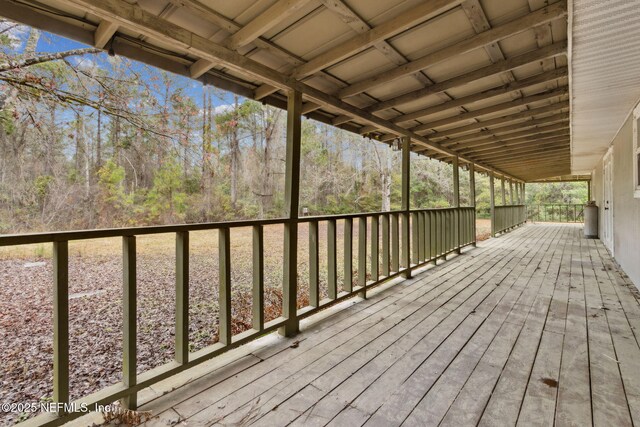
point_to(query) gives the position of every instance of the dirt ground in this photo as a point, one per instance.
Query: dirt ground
(95, 288)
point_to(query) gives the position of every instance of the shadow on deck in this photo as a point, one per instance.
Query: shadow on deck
(533, 327)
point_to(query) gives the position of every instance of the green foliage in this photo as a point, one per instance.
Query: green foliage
(41, 185)
(167, 197)
(556, 192)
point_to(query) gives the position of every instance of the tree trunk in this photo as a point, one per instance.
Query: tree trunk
(234, 154)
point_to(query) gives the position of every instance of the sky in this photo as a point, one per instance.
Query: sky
(53, 43)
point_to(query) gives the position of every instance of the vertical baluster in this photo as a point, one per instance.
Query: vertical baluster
(414, 236)
(385, 246)
(314, 258)
(438, 233)
(61, 323)
(433, 236)
(182, 297)
(375, 254)
(129, 319)
(406, 245)
(362, 254)
(347, 285)
(395, 243)
(332, 262)
(421, 236)
(224, 289)
(258, 277)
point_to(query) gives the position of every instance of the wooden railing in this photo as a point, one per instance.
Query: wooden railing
(556, 212)
(508, 217)
(434, 233)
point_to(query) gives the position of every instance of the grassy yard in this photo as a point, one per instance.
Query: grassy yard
(95, 287)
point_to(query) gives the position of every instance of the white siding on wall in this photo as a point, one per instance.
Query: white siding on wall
(626, 208)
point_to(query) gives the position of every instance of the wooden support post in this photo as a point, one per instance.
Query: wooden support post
(314, 261)
(492, 203)
(292, 190)
(502, 192)
(224, 287)
(182, 297)
(129, 319)
(258, 277)
(472, 199)
(456, 203)
(406, 205)
(61, 323)
(588, 190)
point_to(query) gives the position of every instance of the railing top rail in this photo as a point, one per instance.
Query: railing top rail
(60, 236)
(509, 206)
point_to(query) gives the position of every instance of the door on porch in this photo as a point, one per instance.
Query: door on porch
(607, 200)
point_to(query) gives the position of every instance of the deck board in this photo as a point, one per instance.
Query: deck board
(534, 327)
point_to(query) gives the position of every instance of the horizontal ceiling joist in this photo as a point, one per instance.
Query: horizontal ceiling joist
(497, 147)
(545, 77)
(536, 159)
(531, 139)
(474, 114)
(550, 51)
(519, 118)
(532, 127)
(513, 153)
(539, 17)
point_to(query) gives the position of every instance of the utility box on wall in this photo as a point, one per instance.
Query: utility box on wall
(591, 220)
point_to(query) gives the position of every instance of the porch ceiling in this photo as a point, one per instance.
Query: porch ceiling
(605, 82)
(482, 79)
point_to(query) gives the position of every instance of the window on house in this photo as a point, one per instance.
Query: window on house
(636, 153)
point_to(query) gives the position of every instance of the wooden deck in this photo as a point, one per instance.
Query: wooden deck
(534, 327)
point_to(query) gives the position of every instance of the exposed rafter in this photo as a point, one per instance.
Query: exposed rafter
(539, 17)
(491, 110)
(484, 95)
(559, 48)
(104, 32)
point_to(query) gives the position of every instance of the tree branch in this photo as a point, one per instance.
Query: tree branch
(33, 60)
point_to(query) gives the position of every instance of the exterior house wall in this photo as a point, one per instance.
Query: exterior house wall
(626, 208)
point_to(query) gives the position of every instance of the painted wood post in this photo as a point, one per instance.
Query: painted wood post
(406, 205)
(588, 190)
(182, 297)
(61, 323)
(472, 199)
(258, 277)
(129, 319)
(492, 203)
(456, 203)
(292, 191)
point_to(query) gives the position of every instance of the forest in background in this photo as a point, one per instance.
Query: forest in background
(89, 140)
